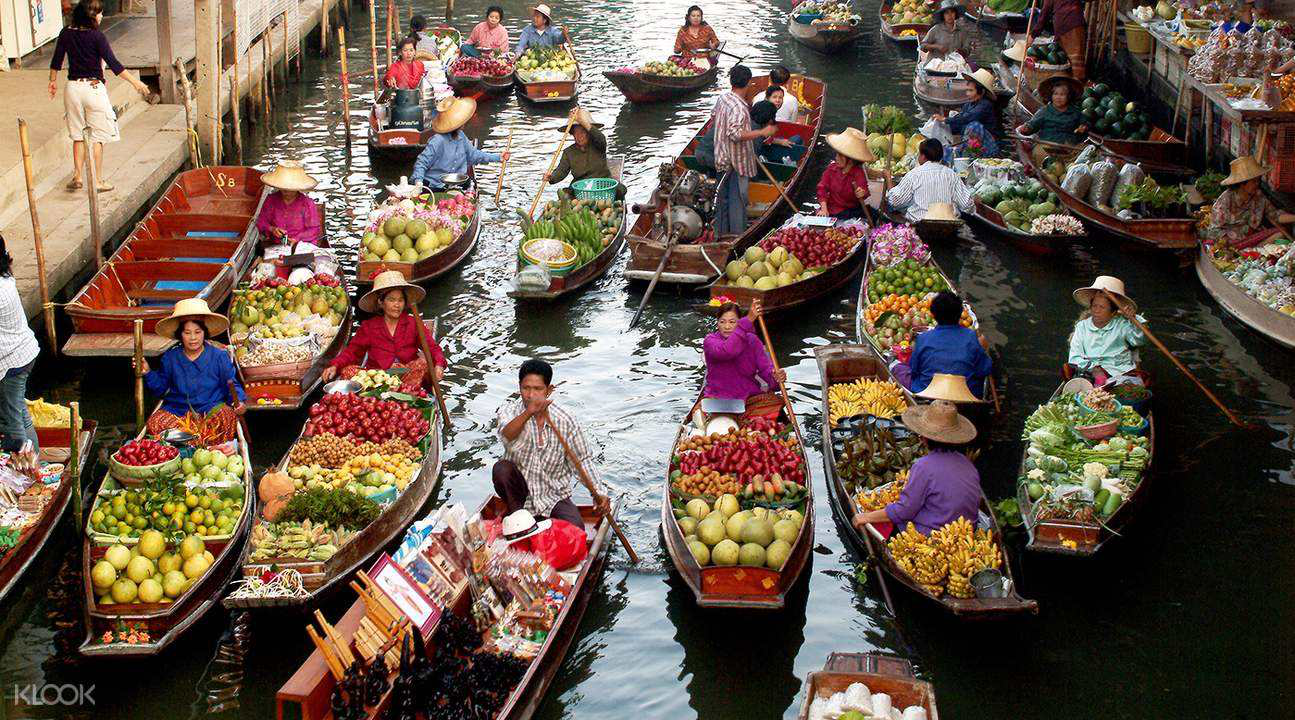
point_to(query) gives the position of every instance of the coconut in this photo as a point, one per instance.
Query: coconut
(735, 269)
(757, 270)
(700, 552)
(394, 226)
(745, 282)
(784, 279)
(711, 531)
(775, 556)
(725, 553)
(758, 531)
(792, 267)
(753, 254)
(402, 242)
(786, 530)
(766, 283)
(415, 227)
(697, 508)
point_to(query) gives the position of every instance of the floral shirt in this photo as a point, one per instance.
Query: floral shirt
(1233, 219)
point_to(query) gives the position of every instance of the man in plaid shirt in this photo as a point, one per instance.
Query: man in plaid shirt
(734, 151)
(536, 473)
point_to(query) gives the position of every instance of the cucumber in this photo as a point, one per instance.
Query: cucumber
(1112, 504)
(1102, 496)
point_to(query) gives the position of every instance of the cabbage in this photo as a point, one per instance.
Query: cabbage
(1118, 443)
(1049, 436)
(1138, 452)
(1051, 463)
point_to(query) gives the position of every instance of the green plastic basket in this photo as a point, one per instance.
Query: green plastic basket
(595, 189)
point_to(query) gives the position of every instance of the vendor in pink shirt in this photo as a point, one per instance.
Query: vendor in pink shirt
(288, 215)
(735, 357)
(489, 35)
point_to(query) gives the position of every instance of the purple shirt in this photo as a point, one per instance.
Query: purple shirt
(86, 51)
(732, 363)
(300, 220)
(942, 487)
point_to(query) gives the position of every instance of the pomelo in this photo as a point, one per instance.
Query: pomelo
(173, 583)
(391, 255)
(415, 228)
(700, 552)
(401, 243)
(425, 242)
(776, 555)
(201, 458)
(103, 575)
(119, 556)
(688, 525)
(711, 531)
(751, 554)
(735, 269)
(753, 254)
(168, 562)
(190, 546)
(786, 530)
(150, 591)
(394, 226)
(139, 569)
(758, 531)
(727, 504)
(698, 508)
(725, 553)
(195, 566)
(124, 590)
(379, 246)
(733, 528)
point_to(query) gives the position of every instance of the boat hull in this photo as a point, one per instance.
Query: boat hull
(427, 270)
(641, 88)
(824, 37)
(1275, 326)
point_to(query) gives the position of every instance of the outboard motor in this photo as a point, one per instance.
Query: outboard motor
(407, 110)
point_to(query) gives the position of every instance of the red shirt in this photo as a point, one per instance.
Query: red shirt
(836, 188)
(379, 349)
(406, 75)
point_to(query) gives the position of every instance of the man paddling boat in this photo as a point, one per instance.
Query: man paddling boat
(586, 157)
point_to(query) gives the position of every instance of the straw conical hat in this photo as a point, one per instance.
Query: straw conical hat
(386, 281)
(851, 143)
(1050, 82)
(543, 10)
(191, 308)
(940, 422)
(583, 119)
(1016, 52)
(1242, 169)
(941, 211)
(453, 113)
(289, 175)
(949, 5)
(946, 386)
(1111, 284)
(984, 79)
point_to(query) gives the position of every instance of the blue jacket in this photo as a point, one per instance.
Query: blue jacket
(530, 36)
(950, 349)
(447, 153)
(200, 385)
(982, 110)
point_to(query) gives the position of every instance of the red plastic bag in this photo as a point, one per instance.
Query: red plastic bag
(562, 546)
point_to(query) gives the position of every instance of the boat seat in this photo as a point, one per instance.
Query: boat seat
(166, 292)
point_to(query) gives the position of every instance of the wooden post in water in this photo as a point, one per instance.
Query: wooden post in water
(92, 192)
(449, 10)
(267, 83)
(285, 51)
(73, 467)
(391, 19)
(323, 31)
(233, 109)
(139, 375)
(190, 131)
(165, 72)
(346, 85)
(206, 15)
(373, 44)
(46, 307)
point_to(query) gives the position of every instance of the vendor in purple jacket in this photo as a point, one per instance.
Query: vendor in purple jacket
(288, 215)
(942, 485)
(735, 357)
(946, 348)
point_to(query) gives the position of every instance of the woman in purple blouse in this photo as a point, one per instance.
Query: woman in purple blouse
(942, 485)
(735, 357)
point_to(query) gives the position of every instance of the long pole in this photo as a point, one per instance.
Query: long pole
(589, 484)
(236, 123)
(323, 31)
(665, 256)
(431, 374)
(46, 307)
(782, 386)
(346, 84)
(391, 13)
(92, 192)
(189, 127)
(553, 161)
(373, 44)
(139, 375)
(1029, 26)
(776, 184)
(74, 462)
(503, 167)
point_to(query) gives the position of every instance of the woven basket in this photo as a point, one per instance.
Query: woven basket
(595, 189)
(140, 474)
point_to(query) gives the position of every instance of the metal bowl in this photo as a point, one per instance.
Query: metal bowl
(341, 386)
(454, 180)
(988, 583)
(176, 436)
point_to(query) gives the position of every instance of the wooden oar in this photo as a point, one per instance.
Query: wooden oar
(776, 184)
(1029, 25)
(786, 399)
(589, 484)
(1156, 341)
(503, 166)
(37, 240)
(553, 161)
(431, 368)
(139, 375)
(669, 246)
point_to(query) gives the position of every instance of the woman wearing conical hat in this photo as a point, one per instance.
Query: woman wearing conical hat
(977, 118)
(449, 150)
(1239, 215)
(288, 214)
(843, 188)
(1105, 340)
(950, 32)
(948, 348)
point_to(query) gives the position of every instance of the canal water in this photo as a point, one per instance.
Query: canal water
(1189, 616)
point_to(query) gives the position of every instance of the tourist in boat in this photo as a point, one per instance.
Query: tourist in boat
(843, 189)
(407, 72)
(1066, 18)
(86, 105)
(1105, 340)
(948, 348)
(943, 485)
(1060, 121)
(389, 338)
(536, 474)
(977, 118)
(696, 39)
(772, 149)
(18, 351)
(734, 155)
(449, 150)
(1242, 216)
(487, 36)
(929, 183)
(950, 32)
(289, 216)
(788, 105)
(540, 33)
(193, 379)
(735, 357)
(586, 157)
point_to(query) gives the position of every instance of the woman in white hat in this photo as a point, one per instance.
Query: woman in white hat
(1104, 342)
(288, 215)
(843, 189)
(540, 33)
(943, 485)
(194, 377)
(1237, 219)
(449, 150)
(950, 32)
(975, 119)
(389, 338)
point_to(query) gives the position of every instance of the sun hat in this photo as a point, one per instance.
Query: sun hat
(984, 79)
(195, 308)
(1242, 169)
(851, 143)
(941, 211)
(521, 524)
(583, 118)
(1016, 52)
(949, 5)
(940, 422)
(289, 175)
(946, 386)
(1048, 83)
(453, 113)
(543, 10)
(1109, 283)
(386, 281)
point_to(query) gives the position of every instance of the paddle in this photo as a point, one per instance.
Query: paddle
(431, 369)
(503, 167)
(1156, 341)
(1029, 25)
(589, 484)
(553, 161)
(776, 184)
(669, 246)
(786, 400)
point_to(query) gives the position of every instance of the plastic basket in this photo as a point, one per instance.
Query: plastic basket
(595, 189)
(556, 269)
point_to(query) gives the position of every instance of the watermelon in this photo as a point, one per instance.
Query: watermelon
(1101, 89)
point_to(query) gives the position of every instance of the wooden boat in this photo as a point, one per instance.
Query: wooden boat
(740, 586)
(426, 270)
(551, 91)
(1056, 536)
(33, 538)
(1029, 242)
(896, 32)
(196, 241)
(700, 263)
(306, 694)
(586, 274)
(825, 36)
(645, 88)
(1011, 21)
(941, 89)
(1160, 234)
(480, 85)
(164, 622)
(797, 293)
(846, 363)
(321, 577)
(1276, 326)
(881, 673)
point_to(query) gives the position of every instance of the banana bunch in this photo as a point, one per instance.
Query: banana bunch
(879, 498)
(581, 230)
(922, 561)
(882, 398)
(541, 229)
(302, 541)
(968, 551)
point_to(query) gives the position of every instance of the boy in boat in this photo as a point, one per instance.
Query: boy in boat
(536, 472)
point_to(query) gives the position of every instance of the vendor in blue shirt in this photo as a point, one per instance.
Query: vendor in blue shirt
(1243, 18)
(449, 150)
(194, 376)
(540, 33)
(946, 348)
(977, 117)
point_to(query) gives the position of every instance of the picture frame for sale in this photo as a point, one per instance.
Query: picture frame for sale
(405, 593)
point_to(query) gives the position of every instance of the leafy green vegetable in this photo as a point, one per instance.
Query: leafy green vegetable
(339, 508)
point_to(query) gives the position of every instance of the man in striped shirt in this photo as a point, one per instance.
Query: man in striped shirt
(536, 473)
(734, 151)
(929, 183)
